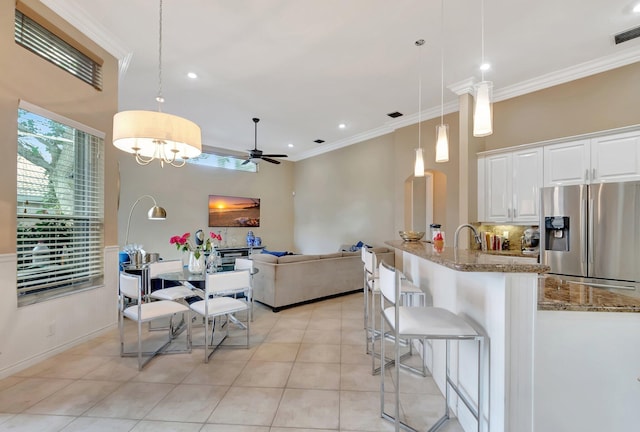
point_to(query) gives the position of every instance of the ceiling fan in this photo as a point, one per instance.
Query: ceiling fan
(255, 155)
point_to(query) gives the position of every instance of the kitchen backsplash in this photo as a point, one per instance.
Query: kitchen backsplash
(512, 233)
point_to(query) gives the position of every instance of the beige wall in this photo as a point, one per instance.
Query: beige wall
(345, 196)
(445, 211)
(26, 76)
(184, 192)
(331, 194)
(604, 101)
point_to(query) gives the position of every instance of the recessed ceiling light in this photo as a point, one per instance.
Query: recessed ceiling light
(342, 126)
(290, 145)
(485, 66)
(192, 75)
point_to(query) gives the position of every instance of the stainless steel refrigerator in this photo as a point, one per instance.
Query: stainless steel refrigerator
(591, 233)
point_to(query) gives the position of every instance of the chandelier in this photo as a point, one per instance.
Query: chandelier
(151, 135)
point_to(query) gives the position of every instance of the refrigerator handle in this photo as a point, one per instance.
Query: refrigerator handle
(591, 231)
(583, 232)
(586, 175)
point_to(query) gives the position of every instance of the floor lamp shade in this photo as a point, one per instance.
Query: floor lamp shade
(418, 168)
(155, 213)
(483, 111)
(153, 134)
(442, 143)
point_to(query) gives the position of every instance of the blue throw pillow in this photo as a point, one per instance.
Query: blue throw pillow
(278, 254)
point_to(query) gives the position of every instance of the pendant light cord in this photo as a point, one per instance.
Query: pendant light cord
(441, 62)
(482, 37)
(159, 98)
(419, 44)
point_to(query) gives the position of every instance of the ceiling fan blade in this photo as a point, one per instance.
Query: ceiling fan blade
(246, 162)
(275, 155)
(270, 160)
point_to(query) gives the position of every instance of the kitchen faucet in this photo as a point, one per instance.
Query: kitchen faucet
(475, 234)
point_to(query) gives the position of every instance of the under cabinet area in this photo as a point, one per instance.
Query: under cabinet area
(508, 186)
(601, 159)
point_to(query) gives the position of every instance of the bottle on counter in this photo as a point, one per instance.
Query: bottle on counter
(435, 229)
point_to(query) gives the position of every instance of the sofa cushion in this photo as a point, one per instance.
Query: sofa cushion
(264, 258)
(331, 255)
(380, 250)
(296, 258)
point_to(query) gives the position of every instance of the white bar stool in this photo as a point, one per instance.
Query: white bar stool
(410, 294)
(424, 323)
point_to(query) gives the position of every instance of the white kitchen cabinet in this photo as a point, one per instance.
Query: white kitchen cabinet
(511, 182)
(596, 160)
(567, 163)
(615, 158)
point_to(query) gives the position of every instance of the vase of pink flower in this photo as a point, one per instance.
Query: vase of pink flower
(198, 248)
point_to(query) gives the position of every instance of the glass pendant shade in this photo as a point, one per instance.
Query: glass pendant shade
(483, 111)
(418, 169)
(442, 143)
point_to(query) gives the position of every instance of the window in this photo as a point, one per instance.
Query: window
(39, 40)
(60, 205)
(227, 162)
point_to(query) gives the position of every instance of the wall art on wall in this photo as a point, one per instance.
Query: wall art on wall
(232, 211)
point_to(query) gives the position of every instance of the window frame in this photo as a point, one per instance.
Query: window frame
(75, 234)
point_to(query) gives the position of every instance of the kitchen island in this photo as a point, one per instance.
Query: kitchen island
(563, 357)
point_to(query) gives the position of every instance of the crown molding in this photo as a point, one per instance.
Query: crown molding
(463, 87)
(370, 134)
(572, 73)
(389, 127)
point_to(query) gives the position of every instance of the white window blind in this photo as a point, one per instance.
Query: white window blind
(60, 207)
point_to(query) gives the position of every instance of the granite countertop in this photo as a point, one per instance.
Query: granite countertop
(466, 260)
(555, 294)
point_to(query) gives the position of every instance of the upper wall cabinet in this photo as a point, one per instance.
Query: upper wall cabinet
(566, 163)
(615, 158)
(508, 186)
(596, 160)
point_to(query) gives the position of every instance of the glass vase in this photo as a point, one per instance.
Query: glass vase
(196, 265)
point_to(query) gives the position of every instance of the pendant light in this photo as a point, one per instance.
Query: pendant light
(483, 111)
(418, 169)
(442, 130)
(151, 135)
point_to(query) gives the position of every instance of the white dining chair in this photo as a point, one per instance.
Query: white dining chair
(175, 293)
(247, 265)
(217, 303)
(130, 290)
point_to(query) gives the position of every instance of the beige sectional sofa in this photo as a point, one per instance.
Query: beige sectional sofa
(294, 279)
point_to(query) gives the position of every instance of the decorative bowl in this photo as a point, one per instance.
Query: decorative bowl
(411, 235)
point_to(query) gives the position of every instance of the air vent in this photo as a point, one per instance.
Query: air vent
(395, 114)
(319, 141)
(627, 35)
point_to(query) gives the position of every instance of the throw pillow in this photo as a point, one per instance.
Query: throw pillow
(275, 253)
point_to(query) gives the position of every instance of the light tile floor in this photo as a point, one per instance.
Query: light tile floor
(306, 371)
